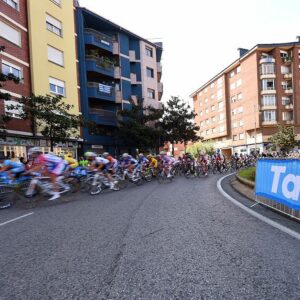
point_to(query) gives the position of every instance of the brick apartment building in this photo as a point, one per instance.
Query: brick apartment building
(15, 59)
(239, 108)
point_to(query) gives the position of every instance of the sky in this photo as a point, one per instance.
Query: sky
(200, 38)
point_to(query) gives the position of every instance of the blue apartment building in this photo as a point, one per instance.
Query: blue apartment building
(116, 68)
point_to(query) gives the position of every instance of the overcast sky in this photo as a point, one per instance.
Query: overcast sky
(200, 38)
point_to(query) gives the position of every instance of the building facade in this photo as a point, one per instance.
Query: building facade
(117, 68)
(240, 107)
(53, 57)
(14, 59)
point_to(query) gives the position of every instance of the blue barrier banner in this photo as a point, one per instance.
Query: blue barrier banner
(279, 180)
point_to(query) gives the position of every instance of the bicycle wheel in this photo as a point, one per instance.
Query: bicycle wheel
(6, 197)
(160, 177)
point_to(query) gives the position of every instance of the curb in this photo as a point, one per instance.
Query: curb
(245, 181)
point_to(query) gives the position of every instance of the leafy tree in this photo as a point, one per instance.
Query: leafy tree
(5, 96)
(207, 147)
(178, 122)
(140, 128)
(51, 117)
(284, 138)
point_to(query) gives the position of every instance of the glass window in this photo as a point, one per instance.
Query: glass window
(149, 51)
(268, 100)
(13, 3)
(232, 86)
(213, 107)
(233, 99)
(54, 25)
(268, 84)
(267, 69)
(151, 93)
(150, 72)
(222, 128)
(231, 74)
(220, 105)
(286, 101)
(57, 2)
(57, 86)
(238, 69)
(239, 82)
(8, 68)
(269, 115)
(9, 33)
(242, 136)
(56, 56)
(240, 96)
(287, 116)
(235, 137)
(241, 123)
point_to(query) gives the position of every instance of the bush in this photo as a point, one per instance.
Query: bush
(248, 174)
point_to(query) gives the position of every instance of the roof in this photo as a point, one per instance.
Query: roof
(258, 46)
(120, 28)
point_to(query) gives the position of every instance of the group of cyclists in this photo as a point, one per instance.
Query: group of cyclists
(55, 167)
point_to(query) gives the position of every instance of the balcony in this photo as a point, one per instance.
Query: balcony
(116, 48)
(267, 59)
(288, 76)
(290, 122)
(268, 107)
(289, 106)
(98, 39)
(288, 90)
(99, 65)
(103, 117)
(133, 78)
(159, 67)
(160, 87)
(118, 96)
(287, 60)
(268, 91)
(101, 91)
(268, 76)
(269, 123)
(132, 57)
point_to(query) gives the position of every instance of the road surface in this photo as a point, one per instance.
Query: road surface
(182, 240)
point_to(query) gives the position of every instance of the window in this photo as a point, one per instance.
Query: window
(220, 105)
(222, 116)
(14, 113)
(238, 69)
(53, 25)
(235, 125)
(205, 90)
(232, 86)
(233, 99)
(242, 136)
(212, 96)
(207, 121)
(285, 70)
(220, 81)
(267, 69)
(206, 111)
(206, 100)
(200, 94)
(287, 116)
(241, 123)
(149, 51)
(201, 113)
(268, 100)
(9, 33)
(231, 74)
(212, 85)
(200, 104)
(57, 2)
(268, 84)
(283, 54)
(213, 119)
(213, 107)
(201, 123)
(220, 94)
(13, 3)
(240, 109)
(286, 85)
(286, 101)
(269, 115)
(8, 68)
(239, 82)
(150, 72)
(151, 93)
(207, 131)
(240, 96)
(235, 137)
(56, 56)
(222, 128)
(57, 86)
(214, 130)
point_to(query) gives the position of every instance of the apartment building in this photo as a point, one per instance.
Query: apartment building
(117, 68)
(239, 108)
(53, 56)
(15, 60)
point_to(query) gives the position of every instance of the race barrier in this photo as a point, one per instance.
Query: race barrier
(277, 185)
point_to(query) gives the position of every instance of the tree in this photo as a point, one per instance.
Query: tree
(5, 96)
(206, 147)
(139, 127)
(284, 138)
(178, 122)
(51, 117)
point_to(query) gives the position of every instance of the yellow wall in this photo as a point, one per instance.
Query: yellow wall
(40, 38)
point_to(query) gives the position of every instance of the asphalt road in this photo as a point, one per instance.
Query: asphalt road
(182, 240)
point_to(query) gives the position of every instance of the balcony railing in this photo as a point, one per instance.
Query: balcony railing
(102, 116)
(159, 67)
(288, 76)
(160, 87)
(101, 37)
(133, 78)
(269, 122)
(267, 59)
(289, 106)
(101, 61)
(287, 60)
(132, 57)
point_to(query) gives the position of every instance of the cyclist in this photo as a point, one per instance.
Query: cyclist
(203, 160)
(50, 164)
(167, 163)
(12, 167)
(128, 162)
(83, 162)
(142, 161)
(72, 162)
(113, 163)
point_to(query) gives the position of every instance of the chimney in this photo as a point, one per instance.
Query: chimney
(242, 51)
(298, 38)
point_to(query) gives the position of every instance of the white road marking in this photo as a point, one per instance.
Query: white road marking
(15, 219)
(255, 214)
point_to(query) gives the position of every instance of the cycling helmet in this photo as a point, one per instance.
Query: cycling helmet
(141, 154)
(90, 154)
(125, 155)
(105, 154)
(35, 150)
(70, 154)
(162, 153)
(149, 155)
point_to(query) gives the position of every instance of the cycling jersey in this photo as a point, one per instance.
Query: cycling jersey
(54, 163)
(101, 161)
(129, 161)
(14, 166)
(153, 162)
(72, 162)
